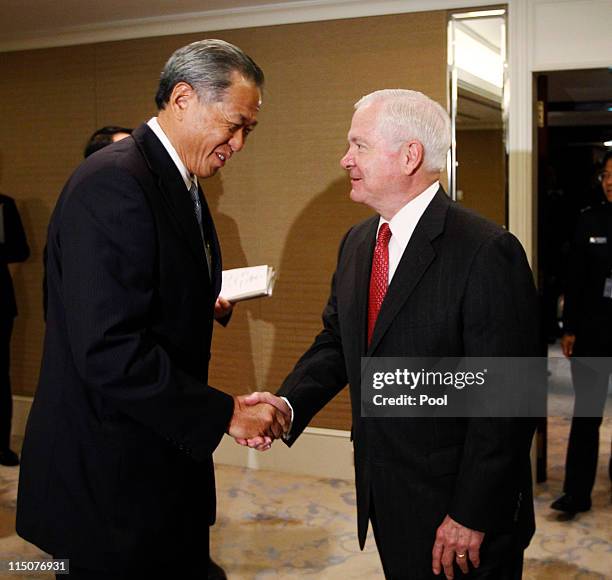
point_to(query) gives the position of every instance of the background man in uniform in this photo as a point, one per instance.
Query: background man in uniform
(117, 470)
(13, 248)
(587, 324)
(423, 278)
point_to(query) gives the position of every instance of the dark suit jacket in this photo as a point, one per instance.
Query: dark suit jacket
(463, 288)
(587, 313)
(116, 463)
(14, 249)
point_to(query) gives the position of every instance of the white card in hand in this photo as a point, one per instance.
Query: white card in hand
(245, 283)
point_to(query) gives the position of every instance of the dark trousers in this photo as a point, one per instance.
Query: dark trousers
(500, 557)
(190, 563)
(6, 399)
(590, 388)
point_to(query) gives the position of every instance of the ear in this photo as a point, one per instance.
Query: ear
(412, 154)
(180, 98)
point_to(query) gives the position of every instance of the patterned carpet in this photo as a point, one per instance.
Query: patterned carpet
(282, 526)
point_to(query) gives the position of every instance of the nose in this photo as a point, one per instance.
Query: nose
(237, 141)
(347, 160)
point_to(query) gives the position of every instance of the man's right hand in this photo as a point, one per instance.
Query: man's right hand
(257, 421)
(258, 398)
(567, 344)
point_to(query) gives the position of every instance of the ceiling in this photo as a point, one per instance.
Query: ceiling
(26, 24)
(487, 30)
(580, 85)
(580, 97)
(479, 103)
(21, 17)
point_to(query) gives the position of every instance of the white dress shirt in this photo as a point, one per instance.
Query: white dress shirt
(403, 223)
(159, 132)
(189, 179)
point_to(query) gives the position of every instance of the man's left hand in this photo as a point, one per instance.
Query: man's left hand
(455, 543)
(223, 307)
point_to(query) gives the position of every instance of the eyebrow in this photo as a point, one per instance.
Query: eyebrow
(354, 138)
(245, 121)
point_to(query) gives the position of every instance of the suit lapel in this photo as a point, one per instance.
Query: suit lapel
(364, 250)
(173, 190)
(417, 257)
(215, 248)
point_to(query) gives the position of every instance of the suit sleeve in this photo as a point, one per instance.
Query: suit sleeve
(15, 247)
(500, 320)
(320, 374)
(226, 319)
(109, 259)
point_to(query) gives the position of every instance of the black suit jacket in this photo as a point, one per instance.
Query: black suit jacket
(587, 313)
(463, 288)
(116, 463)
(14, 249)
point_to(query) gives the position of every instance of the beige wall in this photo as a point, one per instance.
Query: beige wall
(283, 201)
(481, 172)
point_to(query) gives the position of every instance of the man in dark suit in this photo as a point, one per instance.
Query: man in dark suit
(424, 278)
(587, 320)
(13, 248)
(117, 471)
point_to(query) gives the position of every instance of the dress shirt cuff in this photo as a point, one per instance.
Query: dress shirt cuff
(288, 433)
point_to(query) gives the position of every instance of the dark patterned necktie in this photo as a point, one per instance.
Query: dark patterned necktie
(379, 278)
(197, 206)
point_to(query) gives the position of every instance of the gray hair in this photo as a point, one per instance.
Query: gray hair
(208, 66)
(407, 115)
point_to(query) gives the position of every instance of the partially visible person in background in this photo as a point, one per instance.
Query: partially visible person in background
(105, 136)
(587, 320)
(13, 248)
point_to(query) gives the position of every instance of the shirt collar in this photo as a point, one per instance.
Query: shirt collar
(403, 223)
(154, 125)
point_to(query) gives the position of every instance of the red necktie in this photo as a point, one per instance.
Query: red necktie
(379, 278)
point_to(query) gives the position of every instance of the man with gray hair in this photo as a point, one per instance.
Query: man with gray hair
(117, 471)
(423, 278)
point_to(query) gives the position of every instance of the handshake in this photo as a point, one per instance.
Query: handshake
(258, 419)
